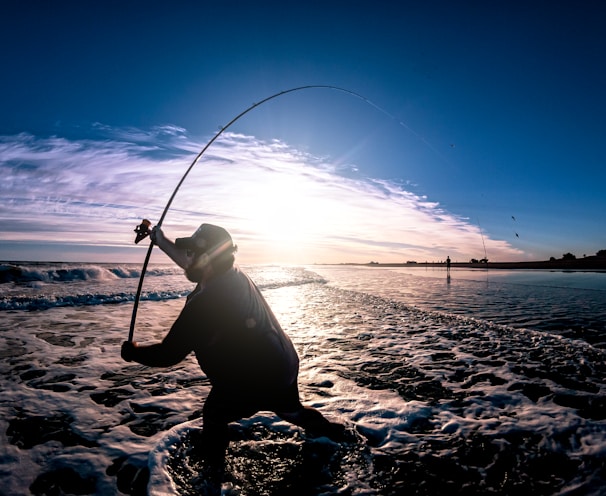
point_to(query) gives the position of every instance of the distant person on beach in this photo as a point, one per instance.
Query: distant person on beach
(250, 361)
(448, 264)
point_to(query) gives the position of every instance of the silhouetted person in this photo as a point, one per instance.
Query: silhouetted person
(250, 361)
(448, 265)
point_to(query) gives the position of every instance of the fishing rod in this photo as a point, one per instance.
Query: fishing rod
(143, 229)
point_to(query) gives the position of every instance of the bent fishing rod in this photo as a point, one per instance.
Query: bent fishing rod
(143, 229)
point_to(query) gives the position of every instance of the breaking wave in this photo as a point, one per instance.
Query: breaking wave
(65, 272)
(40, 286)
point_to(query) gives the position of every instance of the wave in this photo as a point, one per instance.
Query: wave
(69, 272)
(50, 301)
(44, 286)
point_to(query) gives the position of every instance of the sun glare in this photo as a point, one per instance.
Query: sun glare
(286, 213)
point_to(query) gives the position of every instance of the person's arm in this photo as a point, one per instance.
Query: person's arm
(155, 355)
(178, 255)
(175, 346)
(170, 351)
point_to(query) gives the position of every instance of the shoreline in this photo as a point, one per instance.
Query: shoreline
(588, 264)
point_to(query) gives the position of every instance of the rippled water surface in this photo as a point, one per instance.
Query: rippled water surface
(471, 385)
(568, 303)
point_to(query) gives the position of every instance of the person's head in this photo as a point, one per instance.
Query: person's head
(210, 247)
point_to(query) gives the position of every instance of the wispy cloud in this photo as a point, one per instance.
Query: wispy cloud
(281, 204)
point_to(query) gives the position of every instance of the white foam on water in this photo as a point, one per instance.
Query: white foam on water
(160, 481)
(417, 384)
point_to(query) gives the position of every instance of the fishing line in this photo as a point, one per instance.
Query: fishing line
(212, 140)
(483, 244)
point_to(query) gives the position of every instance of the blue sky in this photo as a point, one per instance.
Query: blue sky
(484, 135)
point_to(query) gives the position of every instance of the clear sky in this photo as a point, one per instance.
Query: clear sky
(485, 135)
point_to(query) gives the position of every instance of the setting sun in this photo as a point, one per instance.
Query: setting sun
(286, 211)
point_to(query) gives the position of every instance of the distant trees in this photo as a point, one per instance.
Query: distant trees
(475, 261)
(569, 256)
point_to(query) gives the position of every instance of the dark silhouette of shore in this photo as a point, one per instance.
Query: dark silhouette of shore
(592, 263)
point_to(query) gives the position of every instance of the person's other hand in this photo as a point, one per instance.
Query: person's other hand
(128, 351)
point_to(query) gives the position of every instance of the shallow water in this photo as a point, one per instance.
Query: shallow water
(571, 304)
(441, 402)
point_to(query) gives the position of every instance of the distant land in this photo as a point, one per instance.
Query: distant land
(592, 263)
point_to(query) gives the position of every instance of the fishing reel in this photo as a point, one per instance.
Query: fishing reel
(142, 230)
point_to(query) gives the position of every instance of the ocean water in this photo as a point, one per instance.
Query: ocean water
(484, 382)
